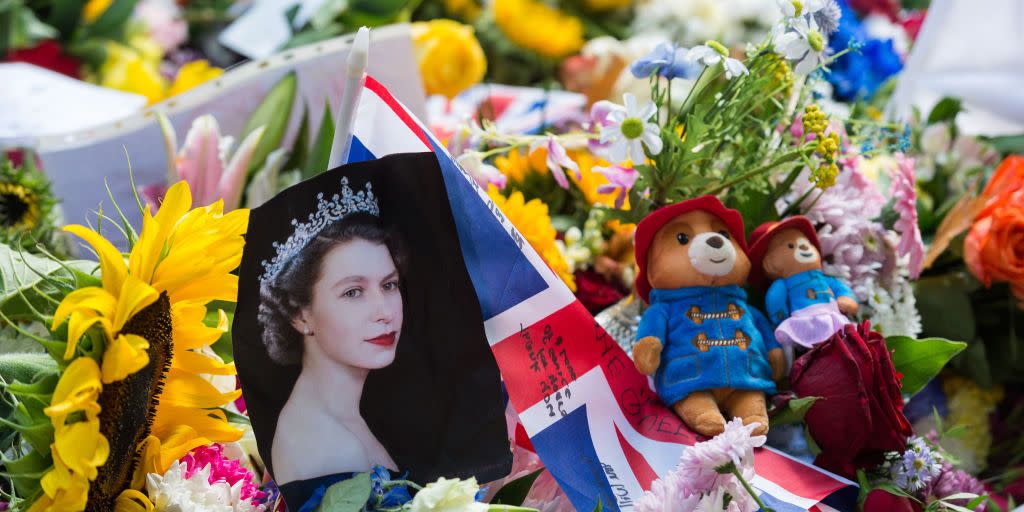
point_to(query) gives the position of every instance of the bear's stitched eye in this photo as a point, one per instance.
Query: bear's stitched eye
(724, 233)
(791, 246)
(683, 239)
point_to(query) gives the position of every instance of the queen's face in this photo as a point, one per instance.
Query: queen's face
(355, 313)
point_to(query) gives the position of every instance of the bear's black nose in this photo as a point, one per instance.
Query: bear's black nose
(804, 247)
(716, 242)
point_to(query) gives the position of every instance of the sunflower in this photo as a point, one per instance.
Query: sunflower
(147, 320)
(518, 166)
(26, 207)
(533, 222)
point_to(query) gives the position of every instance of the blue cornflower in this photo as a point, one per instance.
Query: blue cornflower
(917, 467)
(667, 60)
(904, 143)
(387, 496)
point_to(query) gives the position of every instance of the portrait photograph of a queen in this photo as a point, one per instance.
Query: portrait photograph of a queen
(355, 343)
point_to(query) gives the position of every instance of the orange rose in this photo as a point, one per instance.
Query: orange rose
(994, 248)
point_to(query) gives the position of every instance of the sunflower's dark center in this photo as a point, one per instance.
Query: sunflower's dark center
(129, 406)
(16, 204)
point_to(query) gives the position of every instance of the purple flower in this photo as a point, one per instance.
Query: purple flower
(620, 180)
(599, 119)
(557, 160)
(952, 481)
(667, 60)
(484, 174)
(904, 193)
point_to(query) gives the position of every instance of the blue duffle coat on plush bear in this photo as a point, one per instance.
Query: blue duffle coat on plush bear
(798, 291)
(711, 339)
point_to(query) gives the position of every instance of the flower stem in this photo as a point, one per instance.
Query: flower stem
(393, 483)
(750, 490)
(796, 153)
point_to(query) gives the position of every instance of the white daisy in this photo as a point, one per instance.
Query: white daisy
(793, 8)
(802, 43)
(712, 53)
(630, 130)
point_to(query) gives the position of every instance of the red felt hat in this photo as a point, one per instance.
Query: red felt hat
(761, 237)
(648, 227)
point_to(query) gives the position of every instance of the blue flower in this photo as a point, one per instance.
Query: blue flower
(666, 60)
(388, 496)
(861, 72)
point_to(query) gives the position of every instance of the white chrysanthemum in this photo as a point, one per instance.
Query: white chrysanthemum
(448, 495)
(802, 43)
(172, 492)
(630, 130)
(712, 53)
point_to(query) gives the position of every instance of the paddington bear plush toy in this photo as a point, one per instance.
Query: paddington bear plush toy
(708, 349)
(806, 306)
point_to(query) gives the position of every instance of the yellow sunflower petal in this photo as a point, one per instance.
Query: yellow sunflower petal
(194, 362)
(64, 490)
(93, 298)
(219, 287)
(135, 295)
(80, 322)
(111, 261)
(77, 390)
(188, 330)
(82, 447)
(213, 424)
(161, 451)
(147, 249)
(131, 500)
(124, 356)
(149, 458)
(182, 389)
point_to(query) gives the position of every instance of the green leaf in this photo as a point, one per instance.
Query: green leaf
(347, 495)
(945, 110)
(945, 307)
(19, 368)
(111, 24)
(32, 465)
(65, 15)
(793, 411)
(28, 30)
(273, 113)
(23, 289)
(300, 153)
(598, 507)
(920, 360)
(514, 493)
(1008, 143)
(321, 151)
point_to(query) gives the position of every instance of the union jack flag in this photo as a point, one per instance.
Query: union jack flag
(591, 416)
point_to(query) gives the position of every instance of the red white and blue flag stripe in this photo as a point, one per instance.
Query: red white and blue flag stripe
(590, 415)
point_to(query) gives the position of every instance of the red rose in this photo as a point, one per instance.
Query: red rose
(47, 54)
(882, 501)
(595, 292)
(860, 414)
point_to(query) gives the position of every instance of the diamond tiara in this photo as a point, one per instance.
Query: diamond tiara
(327, 212)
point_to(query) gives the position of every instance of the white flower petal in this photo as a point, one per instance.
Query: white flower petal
(630, 101)
(636, 151)
(648, 111)
(617, 116)
(653, 141)
(808, 64)
(619, 150)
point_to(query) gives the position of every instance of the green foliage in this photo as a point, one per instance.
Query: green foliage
(920, 360)
(793, 412)
(514, 493)
(273, 113)
(347, 495)
(945, 110)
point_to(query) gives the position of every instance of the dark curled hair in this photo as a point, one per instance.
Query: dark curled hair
(292, 289)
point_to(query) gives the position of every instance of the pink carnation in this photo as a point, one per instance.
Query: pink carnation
(904, 192)
(222, 469)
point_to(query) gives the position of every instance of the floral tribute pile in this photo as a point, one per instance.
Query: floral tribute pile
(116, 376)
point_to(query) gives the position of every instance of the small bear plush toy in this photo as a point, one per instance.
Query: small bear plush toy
(806, 306)
(708, 349)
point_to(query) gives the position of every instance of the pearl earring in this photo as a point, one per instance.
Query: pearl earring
(308, 331)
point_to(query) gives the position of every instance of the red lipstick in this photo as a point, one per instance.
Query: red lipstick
(384, 340)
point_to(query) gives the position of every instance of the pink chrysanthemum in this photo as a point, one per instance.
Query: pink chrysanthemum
(222, 469)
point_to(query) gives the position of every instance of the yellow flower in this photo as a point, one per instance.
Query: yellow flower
(127, 69)
(63, 491)
(193, 74)
(533, 222)
(21, 211)
(133, 501)
(590, 179)
(79, 448)
(970, 406)
(150, 309)
(94, 8)
(538, 27)
(606, 5)
(517, 166)
(467, 10)
(449, 56)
